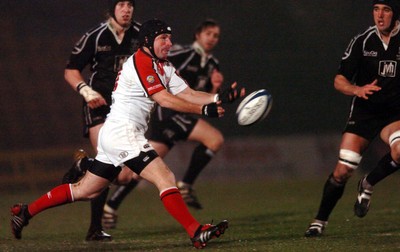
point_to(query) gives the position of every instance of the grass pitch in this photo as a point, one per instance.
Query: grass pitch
(263, 215)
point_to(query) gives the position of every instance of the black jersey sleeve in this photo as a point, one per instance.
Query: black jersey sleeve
(82, 53)
(351, 59)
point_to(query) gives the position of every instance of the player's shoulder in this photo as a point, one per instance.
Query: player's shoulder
(142, 59)
(366, 33)
(178, 49)
(97, 27)
(136, 25)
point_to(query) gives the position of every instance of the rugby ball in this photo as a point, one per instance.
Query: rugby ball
(254, 107)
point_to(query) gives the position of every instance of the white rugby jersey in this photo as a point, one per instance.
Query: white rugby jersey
(142, 76)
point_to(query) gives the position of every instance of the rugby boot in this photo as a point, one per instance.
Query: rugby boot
(361, 206)
(109, 218)
(98, 235)
(20, 219)
(77, 170)
(207, 232)
(315, 229)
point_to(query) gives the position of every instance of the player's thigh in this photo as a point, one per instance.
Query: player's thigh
(207, 134)
(125, 176)
(389, 130)
(94, 134)
(158, 173)
(89, 186)
(161, 148)
(391, 136)
(351, 148)
(353, 142)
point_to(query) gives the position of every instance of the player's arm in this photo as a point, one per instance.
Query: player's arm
(198, 97)
(207, 107)
(226, 96)
(343, 85)
(75, 79)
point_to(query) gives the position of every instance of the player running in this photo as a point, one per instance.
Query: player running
(371, 61)
(105, 48)
(146, 78)
(198, 66)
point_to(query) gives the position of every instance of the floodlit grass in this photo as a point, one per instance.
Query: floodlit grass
(263, 215)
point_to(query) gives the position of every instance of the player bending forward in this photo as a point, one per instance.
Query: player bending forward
(145, 79)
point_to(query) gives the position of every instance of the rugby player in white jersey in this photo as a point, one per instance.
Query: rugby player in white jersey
(145, 79)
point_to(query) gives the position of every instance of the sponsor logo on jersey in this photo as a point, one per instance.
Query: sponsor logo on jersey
(150, 79)
(104, 48)
(387, 68)
(154, 87)
(146, 146)
(192, 68)
(123, 154)
(370, 54)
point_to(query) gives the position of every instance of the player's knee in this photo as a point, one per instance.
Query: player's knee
(124, 177)
(394, 141)
(394, 138)
(216, 142)
(169, 177)
(342, 173)
(82, 194)
(350, 159)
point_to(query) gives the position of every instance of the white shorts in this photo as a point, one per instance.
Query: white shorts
(120, 141)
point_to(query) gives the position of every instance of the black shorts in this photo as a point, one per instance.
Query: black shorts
(368, 120)
(93, 117)
(171, 130)
(107, 171)
(140, 162)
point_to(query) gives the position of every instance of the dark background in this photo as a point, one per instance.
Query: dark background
(291, 48)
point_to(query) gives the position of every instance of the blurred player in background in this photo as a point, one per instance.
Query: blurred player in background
(197, 65)
(369, 73)
(145, 79)
(105, 48)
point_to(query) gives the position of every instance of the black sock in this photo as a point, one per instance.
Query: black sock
(200, 158)
(333, 191)
(120, 193)
(96, 207)
(385, 167)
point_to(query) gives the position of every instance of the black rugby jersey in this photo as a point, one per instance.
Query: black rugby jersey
(188, 62)
(366, 59)
(100, 49)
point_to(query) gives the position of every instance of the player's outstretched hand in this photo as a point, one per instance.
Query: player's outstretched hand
(230, 94)
(367, 90)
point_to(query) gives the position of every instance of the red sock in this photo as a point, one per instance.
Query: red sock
(175, 205)
(59, 195)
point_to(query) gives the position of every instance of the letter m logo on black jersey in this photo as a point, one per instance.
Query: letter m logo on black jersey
(387, 68)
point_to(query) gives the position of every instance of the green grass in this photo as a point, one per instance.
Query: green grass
(264, 216)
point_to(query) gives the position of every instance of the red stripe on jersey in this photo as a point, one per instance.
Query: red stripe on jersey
(148, 76)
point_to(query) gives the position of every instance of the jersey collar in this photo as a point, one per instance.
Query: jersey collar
(204, 57)
(113, 30)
